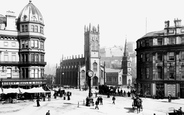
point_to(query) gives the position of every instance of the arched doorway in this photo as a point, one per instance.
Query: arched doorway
(95, 81)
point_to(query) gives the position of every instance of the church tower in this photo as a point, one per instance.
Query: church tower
(126, 66)
(91, 52)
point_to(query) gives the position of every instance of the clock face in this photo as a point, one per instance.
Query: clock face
(94, 54)
(90, 73)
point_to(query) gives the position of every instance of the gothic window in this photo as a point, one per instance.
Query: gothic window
(94, 66)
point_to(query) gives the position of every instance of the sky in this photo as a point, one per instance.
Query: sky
(118, 20)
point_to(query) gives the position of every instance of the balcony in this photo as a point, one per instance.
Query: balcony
(9, 63)
(33, 63)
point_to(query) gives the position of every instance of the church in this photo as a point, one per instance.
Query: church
(73, 71)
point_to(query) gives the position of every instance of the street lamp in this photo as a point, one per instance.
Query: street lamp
(89, 99)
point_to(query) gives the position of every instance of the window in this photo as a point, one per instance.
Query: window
(13, 56)
(147, 42)
(171, 56)
(147, 72)
(13, 44)
(32, 73)
(26, 28)
(41, 45)
(8, 73)
(94, 66)
(42, 59)
(35, 28)
(159, 56)
(171, 31)
(41, 29)
(171, 40)
(32, 57)
(36, 58)
(182, 55)
(22, 28)
(32, 28)
(147, 57)
(32, 43)
(5, 56)
(182, 40)
(5, 44)
(171, 72)
(159, 69)
(36, 73)
(159, 40)
(36, 43)
(182, 71)
(182, 30)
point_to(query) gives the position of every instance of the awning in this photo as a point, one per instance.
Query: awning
(33, 90)
(10, 90)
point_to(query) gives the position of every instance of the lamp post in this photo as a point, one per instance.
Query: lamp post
(90, 74)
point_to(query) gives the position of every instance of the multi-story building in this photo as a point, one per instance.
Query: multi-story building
(160, 61)
(22, 48)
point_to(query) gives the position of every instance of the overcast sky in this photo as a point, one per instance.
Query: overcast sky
(118, 19)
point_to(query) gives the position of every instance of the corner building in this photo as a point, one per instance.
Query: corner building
(160, 62)
(22, 48)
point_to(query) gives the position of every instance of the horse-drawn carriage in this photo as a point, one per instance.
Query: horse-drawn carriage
(137, 104)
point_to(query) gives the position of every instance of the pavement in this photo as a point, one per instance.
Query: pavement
(76, 106)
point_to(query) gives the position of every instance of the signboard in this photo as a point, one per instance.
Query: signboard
(171, 89)
(23, 83)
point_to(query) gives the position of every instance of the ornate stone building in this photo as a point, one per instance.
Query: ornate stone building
(22, 48)
(160, 61)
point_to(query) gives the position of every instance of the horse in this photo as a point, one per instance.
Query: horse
(137, 103)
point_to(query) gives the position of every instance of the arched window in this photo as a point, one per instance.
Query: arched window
(94, 66)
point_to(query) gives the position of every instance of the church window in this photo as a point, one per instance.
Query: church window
(94, 66)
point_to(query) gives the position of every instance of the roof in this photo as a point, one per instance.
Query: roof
(155, 33)
(30, 13)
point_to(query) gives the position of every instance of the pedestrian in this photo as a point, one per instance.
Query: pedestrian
(97, 103)
(113, 99)
(48, 112)
(38, 101)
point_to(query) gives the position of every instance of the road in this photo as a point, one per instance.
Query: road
(75, 106)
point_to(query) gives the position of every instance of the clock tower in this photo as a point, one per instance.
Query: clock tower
(91, 53)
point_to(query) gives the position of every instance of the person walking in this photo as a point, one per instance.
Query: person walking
(113, 99)
(38, 101)
(97, 103)
(48, 112)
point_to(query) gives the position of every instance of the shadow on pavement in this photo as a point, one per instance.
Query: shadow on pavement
(130, 109)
